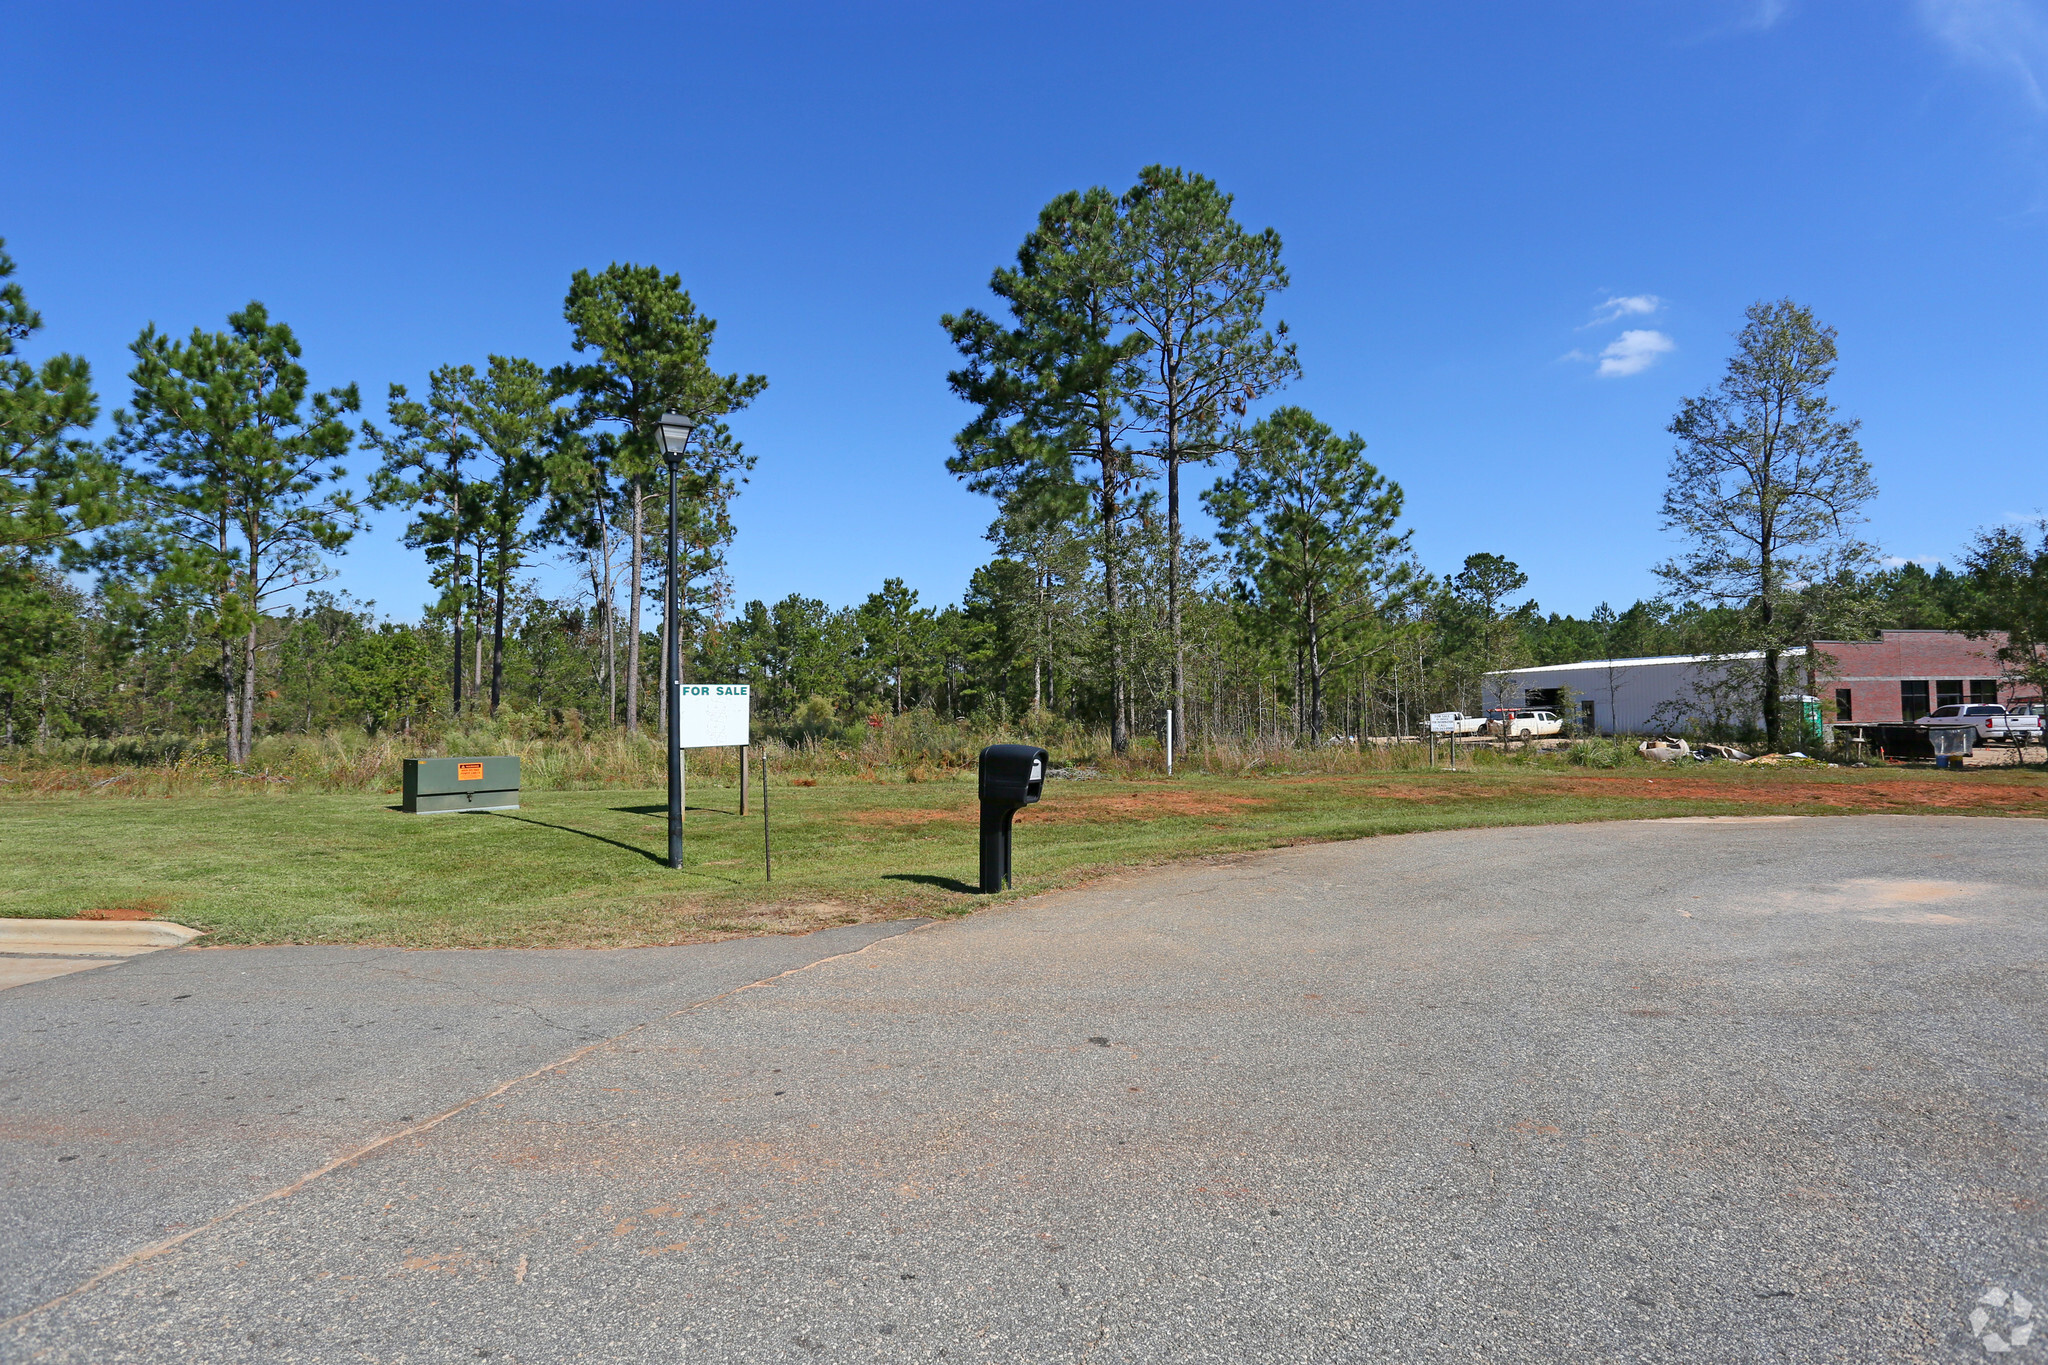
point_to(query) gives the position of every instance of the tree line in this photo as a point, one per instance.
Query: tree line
(1129, 347)
(208, 517)
(1127, 350)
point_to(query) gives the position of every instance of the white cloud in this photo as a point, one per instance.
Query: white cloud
(1896, 562)
(1745, 16)
(1632, 352)
(2006, 37)
(1765, 14)
(1625, 306)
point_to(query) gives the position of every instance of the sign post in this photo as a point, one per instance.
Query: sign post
(1444, 723)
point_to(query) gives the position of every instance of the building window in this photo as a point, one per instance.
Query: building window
(1912, 701)
(1588, 721)
(1843, 710)
(1983, 691)
(1948, 692)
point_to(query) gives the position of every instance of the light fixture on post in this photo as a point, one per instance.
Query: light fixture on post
(675, 429)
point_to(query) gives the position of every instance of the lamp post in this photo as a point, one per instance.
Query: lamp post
(675, 435)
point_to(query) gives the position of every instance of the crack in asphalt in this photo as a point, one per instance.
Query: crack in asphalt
(521, 1006)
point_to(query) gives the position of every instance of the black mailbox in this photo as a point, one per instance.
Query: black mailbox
(1012, 775)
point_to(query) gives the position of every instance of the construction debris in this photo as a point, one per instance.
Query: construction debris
(1670, 749)
(1727, 751)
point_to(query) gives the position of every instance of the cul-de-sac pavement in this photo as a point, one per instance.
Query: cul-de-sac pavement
(1712, 1090)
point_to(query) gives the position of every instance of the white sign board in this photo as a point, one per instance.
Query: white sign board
(1443, 722)
(713, 715)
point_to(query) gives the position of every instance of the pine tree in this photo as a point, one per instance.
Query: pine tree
(1767, 484)
(51, 484)
(649, 352)
(427, 460)
(1052, 389)
(239, 446)
(1313, 524)
(1194, 286)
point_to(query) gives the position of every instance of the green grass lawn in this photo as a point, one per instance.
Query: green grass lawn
(584, 868)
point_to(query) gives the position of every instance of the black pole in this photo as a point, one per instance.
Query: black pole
(675, 688)
(995, 846)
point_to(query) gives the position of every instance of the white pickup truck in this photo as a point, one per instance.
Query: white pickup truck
(1992, 723)
(1455, 723)
(1525, 722)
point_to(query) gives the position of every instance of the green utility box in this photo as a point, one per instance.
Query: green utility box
(435, 785)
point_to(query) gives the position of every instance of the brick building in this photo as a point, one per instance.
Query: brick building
(1906, 673)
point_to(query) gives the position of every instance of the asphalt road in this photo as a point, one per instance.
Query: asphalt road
(1749, 1090)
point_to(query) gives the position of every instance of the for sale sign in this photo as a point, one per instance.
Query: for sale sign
(713, 715)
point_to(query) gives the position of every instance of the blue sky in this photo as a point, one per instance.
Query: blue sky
(1517, 233)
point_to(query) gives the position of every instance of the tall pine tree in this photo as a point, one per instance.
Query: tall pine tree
(241, 456)
(648, 352)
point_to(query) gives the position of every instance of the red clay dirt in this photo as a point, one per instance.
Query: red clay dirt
(141, 910)
(1880, 792)
(1155, 804)
(1891, 794)
(1148, 803)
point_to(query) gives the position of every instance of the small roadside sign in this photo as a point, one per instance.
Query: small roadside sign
(714, 715)
(1443, 722)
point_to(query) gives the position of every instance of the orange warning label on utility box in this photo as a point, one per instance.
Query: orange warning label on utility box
(469, 772)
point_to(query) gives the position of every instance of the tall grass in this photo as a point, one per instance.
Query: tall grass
(914, 747)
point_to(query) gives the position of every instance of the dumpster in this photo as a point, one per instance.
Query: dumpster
(1896, 741)
(436, 786)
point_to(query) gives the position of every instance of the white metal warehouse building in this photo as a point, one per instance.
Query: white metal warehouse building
(1619, 696)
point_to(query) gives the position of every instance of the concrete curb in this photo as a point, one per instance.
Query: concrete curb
(123, 937)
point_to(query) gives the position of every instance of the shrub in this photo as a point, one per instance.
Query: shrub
(1600, 753)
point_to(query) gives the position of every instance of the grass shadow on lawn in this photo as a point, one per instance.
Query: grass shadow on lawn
(571, 829)
(663, 810)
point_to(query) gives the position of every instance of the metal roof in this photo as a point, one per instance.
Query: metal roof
(1798, 651)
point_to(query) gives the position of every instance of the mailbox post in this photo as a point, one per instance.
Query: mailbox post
(1012, 776)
